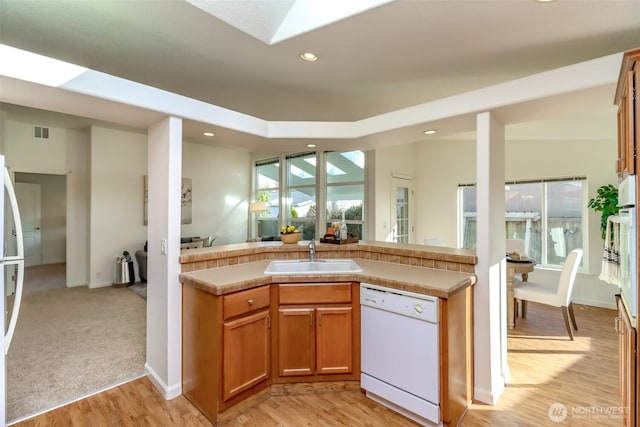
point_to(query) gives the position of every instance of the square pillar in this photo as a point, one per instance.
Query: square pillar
(490, 345)
(164, 292)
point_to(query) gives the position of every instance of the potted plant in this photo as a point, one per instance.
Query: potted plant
(605, 202)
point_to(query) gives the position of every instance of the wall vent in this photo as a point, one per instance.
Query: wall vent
(40, 132)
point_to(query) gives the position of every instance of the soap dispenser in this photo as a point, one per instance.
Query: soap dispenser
(343, 228)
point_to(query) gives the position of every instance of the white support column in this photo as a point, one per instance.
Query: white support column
(491, 370)
(164, 296)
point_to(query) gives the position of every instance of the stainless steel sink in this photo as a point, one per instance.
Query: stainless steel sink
(321, 266)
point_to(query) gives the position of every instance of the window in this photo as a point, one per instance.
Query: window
(301, 194)
(547, 214)
(345, 189)
(268, 190)
(334, 179)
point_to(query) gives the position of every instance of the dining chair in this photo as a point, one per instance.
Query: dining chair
(554, 295)
(432, 241)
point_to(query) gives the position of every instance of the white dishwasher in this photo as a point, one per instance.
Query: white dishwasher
(400, 352)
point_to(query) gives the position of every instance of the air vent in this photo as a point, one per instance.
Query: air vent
(40, 132)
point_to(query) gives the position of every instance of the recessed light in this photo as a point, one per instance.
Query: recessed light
(311, 145)
(430, 131)
(208, 133)
(309, 57)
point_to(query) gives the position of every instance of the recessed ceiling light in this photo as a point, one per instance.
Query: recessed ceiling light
(309, 57)
(208, 133)
(430, 131)
(311, 145)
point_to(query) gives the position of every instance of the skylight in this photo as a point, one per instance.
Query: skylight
(300, 173)
(31, 67)
(334, 170)
(274, 21)
(331, 169)
(356, 157)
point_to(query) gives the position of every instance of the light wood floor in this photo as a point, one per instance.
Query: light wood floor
(546, 368)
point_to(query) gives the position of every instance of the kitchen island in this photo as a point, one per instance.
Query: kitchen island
(244, 331)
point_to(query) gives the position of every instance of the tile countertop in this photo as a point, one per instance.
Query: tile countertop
(439, 283)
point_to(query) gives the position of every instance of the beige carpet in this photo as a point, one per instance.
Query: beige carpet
(73, 341)
(44, 277)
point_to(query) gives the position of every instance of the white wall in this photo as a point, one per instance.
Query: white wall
(104, 169)
(221, 179)
(65, 153)
(442, 165)
(78, 196)
(118, 166)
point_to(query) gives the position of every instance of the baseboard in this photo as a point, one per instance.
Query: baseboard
(487, 396)
(596, 303)
(99, 285)
(168, 392)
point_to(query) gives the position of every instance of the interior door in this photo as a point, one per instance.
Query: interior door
(29, 196)
(402, 226)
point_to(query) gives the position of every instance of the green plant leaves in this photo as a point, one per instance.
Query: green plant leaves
(605, 202)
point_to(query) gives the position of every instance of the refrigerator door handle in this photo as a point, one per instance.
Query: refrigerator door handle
(18, 260)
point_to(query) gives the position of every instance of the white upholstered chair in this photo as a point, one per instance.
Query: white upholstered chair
(432, 241)
(555, 295)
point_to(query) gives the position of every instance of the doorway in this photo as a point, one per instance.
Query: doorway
(402, 210)
(42, 199)
(29, 198)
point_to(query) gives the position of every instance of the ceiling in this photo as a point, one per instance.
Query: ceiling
(390, 57)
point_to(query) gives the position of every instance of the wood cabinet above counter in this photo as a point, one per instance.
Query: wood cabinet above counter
(424, 269)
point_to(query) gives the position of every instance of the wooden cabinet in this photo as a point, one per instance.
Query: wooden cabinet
(226, 347)
(297, 344)
(317, 326)
(627, 367)
(315, 341)
(334, 349)
(246, 355)
(246, 340)
(238, 344)
(626, 99)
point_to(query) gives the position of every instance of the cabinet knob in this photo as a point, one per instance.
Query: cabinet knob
(250, 302)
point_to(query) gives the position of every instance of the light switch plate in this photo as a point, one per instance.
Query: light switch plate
(163, 246)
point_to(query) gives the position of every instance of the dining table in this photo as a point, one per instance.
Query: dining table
(522, 267)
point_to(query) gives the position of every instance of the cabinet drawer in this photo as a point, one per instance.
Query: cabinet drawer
(243, 302)
(325, 293)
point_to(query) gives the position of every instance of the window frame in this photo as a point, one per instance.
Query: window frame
(321, 190)
(544, 262)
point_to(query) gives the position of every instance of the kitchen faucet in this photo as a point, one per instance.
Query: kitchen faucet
(312, 251)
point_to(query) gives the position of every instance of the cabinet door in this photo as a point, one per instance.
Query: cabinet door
(334, 340)
(627, 365)
(245, 360)
(296, 341)
(622, 137)
(634, 116)
(628, 125)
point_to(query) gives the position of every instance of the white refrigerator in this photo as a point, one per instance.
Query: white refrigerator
(12, 276)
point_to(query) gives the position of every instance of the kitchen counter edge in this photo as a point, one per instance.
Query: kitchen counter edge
(427, 281)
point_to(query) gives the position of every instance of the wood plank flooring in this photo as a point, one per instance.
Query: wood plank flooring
(546, 368)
